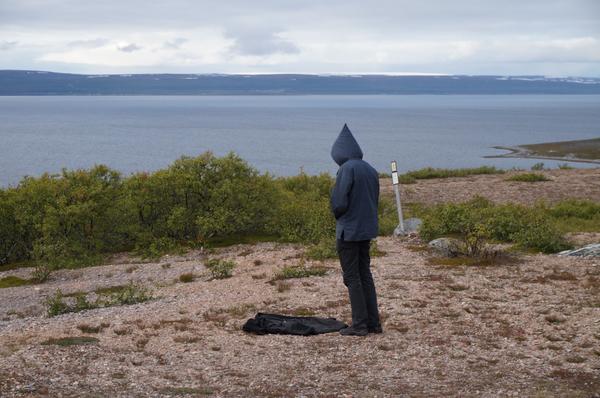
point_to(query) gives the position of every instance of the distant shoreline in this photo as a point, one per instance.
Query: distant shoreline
(20, 82)
(581, 151)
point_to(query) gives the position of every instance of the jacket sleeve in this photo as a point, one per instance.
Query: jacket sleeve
(341, 191)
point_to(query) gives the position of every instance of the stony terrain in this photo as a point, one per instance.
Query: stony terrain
(528, 326)
(563, 184)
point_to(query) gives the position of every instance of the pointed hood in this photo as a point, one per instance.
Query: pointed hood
(345, 147)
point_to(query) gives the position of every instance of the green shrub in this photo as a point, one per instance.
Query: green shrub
(41, 273)
(219, 268)
(388, 215)
(374, 250)
(55, 304)
(528, 177)
(540, 234)
(479, 220)
(538, 166)
(576, 208)
(323, 250)
(303, 211)
(565, 166)
(131, 294)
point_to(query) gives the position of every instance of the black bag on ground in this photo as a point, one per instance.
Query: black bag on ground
(298, 325)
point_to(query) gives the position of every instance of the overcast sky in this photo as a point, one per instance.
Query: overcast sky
(547, 37)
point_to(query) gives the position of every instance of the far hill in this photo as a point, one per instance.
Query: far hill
(18, 82)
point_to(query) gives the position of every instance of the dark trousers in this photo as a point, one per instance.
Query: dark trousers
(356, 267)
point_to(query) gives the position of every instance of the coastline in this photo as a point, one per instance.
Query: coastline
(524, 153)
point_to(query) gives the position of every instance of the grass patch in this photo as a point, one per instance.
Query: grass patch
(430, 173)
(13, 281)
(283, 286)
(299, 271)
(528, 177)
(583, 149)
(182, 391)
(187, 277)
(69, 341)
(303, 312)
(219, 268)
(418, 248)
(240, 239)
(86, 328)
(110, 289)
(124, 295)
(186, 339)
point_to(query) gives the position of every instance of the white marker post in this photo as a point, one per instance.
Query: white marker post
(395, 182)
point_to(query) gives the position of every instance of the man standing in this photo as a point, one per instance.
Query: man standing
(354, 201)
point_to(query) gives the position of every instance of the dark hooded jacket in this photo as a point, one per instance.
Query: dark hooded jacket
(355, 196)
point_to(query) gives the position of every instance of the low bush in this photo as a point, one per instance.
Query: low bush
(323, 250)
(219, 268)
(528, 177)
(479, 220)
(538, 166)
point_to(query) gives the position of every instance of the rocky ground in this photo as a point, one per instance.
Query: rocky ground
(563, 184)
(528, 326)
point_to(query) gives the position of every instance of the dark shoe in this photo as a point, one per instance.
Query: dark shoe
(350, 331)
(376, 329)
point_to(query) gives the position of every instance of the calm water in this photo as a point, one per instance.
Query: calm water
(281, 134)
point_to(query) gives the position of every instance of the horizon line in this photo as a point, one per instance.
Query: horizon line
(348, 74)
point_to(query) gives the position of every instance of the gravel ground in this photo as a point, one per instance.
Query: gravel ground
(530, 327)
(564, 184)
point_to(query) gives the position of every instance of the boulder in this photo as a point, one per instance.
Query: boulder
(447, 247)
(592, 250)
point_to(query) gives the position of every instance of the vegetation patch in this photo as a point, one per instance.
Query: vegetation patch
(323, 250)
(299, 271)
(86, 328)
(13, 281)
(69, 341)
(475, 261)
(430, 173)
(220, 268)
(283, 286)
(187, 277)
(479, 220)
(528, 177)
(303, 311)
(130, 294)
(184, 391)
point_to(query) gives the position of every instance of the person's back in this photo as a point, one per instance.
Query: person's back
(354, 202)
(359, 221)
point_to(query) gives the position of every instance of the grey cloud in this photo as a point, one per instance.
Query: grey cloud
(320, 29)
(174, 44)
(7, 45)
(92, 43)
(260, 42)
(128, 48)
